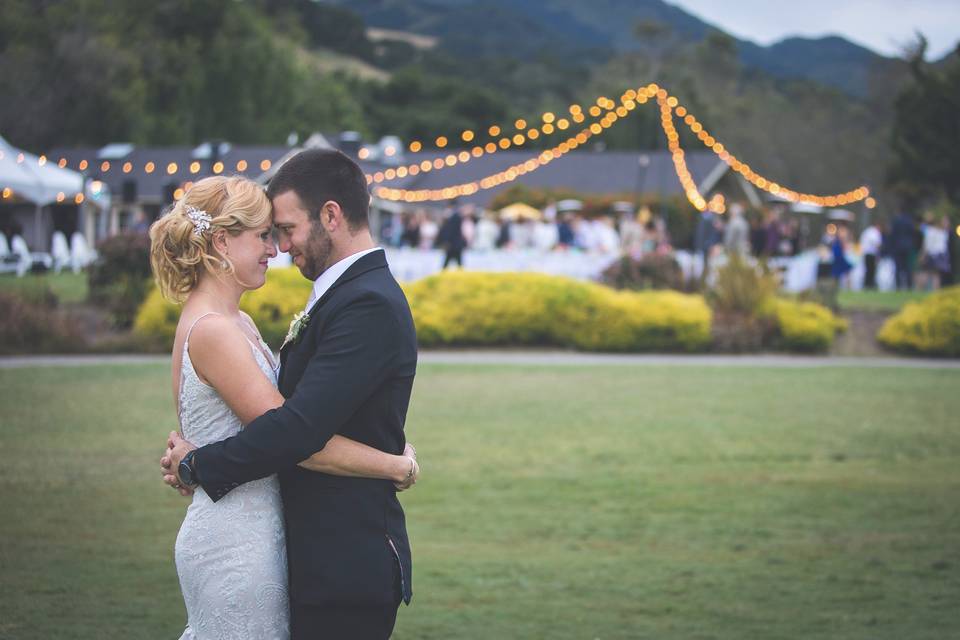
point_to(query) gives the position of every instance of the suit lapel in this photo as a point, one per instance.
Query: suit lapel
(369, 262)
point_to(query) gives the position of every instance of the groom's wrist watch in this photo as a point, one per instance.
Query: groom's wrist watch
(187, 471)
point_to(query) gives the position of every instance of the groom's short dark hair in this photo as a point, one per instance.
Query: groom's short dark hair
(320, 175)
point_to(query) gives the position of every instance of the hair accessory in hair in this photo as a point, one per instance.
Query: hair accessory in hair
(200, 219)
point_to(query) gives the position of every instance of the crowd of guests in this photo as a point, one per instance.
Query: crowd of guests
(923, 252)
(464, 227)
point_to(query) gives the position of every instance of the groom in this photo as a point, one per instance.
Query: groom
(348, 370)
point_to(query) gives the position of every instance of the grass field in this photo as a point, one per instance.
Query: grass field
(890, 301)
(576, 502)
(67, 286)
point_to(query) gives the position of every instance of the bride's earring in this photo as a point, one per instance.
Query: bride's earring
(224, 265)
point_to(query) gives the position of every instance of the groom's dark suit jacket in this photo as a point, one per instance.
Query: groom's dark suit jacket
(349, 373)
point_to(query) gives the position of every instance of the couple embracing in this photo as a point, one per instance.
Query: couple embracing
(294, 529)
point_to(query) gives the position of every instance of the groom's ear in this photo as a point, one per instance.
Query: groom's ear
(331, 215)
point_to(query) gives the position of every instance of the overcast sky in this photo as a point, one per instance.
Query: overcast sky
(881, 25)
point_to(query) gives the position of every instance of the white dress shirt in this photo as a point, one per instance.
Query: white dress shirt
(331, 275)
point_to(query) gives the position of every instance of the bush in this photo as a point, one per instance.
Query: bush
(741, 287)
(929, 327)
(272, 306)
(27, 327)
(120, 278)
(488, 309)
(801, 326)
(652, 271)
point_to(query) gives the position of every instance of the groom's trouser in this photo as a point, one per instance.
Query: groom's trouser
(311, 622)
(316, 622)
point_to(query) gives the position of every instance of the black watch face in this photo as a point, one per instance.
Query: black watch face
(185, 471)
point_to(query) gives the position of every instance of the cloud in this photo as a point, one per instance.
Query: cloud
(884, 26)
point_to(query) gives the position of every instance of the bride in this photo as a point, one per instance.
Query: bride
(209, 249)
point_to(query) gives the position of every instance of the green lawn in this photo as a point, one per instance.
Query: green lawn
(574, 502)
(877, 300)
(69, 287)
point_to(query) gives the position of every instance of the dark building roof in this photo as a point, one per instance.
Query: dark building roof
(582, 171)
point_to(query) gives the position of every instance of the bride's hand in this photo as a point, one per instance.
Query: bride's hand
(169, 478)
(410, 452)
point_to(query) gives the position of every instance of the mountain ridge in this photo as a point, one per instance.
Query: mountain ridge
(570, 30)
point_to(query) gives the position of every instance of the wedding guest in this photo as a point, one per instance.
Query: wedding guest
(902, 240)
(840, 267)
(871, 241)
(428, 231)
(934, 258)
(487, 232)
(736, 235)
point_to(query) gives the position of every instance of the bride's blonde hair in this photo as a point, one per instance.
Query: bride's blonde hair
(181, 247)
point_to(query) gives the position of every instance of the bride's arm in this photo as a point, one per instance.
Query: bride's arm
(222, 357)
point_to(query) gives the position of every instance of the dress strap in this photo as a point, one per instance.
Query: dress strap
(196, 320)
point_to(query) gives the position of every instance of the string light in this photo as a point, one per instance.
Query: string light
(759, 181)
(551, 124)
(629, 100)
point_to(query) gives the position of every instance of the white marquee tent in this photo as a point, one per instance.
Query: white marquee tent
(38, 183)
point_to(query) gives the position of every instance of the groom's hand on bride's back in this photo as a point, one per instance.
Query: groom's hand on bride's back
(177, 447)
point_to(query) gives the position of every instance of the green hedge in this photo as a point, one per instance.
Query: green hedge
(929, 327)
(488, 309)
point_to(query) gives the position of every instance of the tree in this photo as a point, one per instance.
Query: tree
(926, 130)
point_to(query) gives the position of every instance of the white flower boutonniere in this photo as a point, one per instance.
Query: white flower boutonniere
(297, 325)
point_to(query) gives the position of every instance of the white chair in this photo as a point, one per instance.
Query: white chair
(20, 249)
(81, 254)
(28, 259)
(8, 260)
(60, 251)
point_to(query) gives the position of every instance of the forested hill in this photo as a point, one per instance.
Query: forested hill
(88, 72)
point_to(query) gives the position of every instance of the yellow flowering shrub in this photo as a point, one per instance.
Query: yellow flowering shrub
(272, 307)
(929, 327)
(525, 309)
(473, 308)
(157, 318)
(802, 326)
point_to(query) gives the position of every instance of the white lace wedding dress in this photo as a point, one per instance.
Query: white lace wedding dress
(231, 556)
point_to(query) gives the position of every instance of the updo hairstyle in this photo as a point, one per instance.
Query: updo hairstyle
(179, 254)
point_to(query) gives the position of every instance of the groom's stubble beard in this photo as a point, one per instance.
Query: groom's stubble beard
(317, 253)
